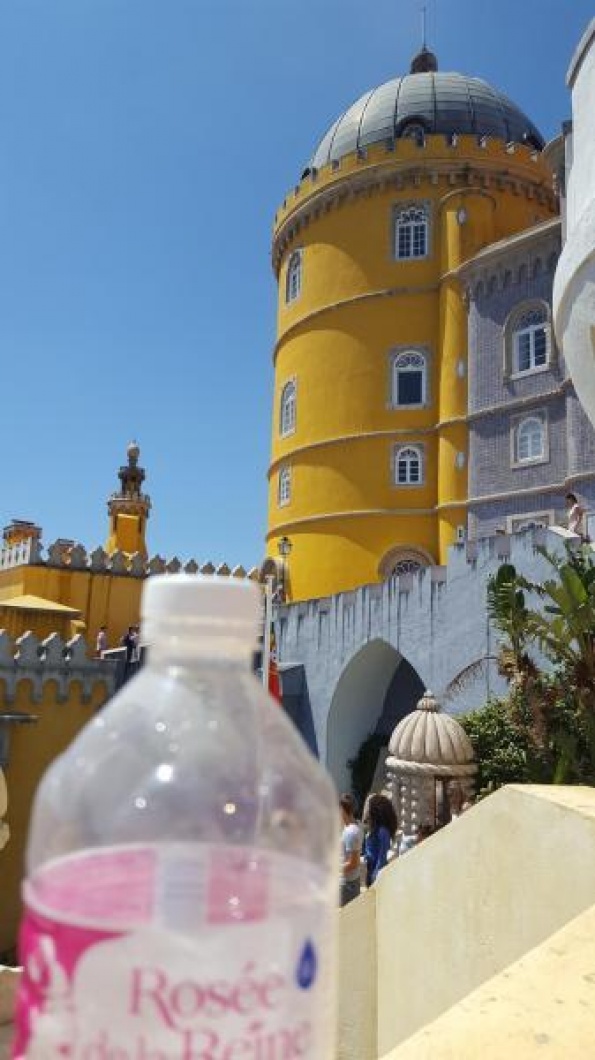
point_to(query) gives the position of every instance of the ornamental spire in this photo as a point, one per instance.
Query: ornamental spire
(129, 508)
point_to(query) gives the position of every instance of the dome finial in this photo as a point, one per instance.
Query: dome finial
(425, 62)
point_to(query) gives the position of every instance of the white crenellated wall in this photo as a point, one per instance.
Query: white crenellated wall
(351, 644)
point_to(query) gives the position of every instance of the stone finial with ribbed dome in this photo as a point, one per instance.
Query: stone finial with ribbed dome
(430, 754)
(429, 736)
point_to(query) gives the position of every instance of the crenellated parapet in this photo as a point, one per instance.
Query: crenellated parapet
(451, 161)
(39, 662)
(20, 554)
(350, 645)
(68, 555)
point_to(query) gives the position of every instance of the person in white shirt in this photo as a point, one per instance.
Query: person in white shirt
(102, 642)
(576, 515)
(351, 849)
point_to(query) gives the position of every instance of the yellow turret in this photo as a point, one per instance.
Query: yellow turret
(129, 509)
(369, 438)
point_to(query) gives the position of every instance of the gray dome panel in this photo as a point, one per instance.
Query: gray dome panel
(440, 102)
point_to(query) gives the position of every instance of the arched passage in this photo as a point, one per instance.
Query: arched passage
(376, 689)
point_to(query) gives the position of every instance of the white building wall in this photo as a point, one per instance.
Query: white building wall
(574, 287)
(350, 643)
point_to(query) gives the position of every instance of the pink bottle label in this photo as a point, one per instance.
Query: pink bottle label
(191, 963)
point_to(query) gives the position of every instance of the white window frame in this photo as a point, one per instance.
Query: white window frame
(513, 330)
(396, 368)
(412, 221)
(411, 453)
(288, 408)
(294, 276)
(284, 486)
(545, 518)
(539, 417)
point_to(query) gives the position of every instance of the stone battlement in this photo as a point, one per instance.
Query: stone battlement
(483, 162)
(72, 556)
(351, 645)
(53, 659)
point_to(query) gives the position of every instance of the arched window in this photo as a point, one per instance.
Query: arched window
(527, 339)
(406, 566)
(293, 282)
(411, 232)
(530, 440)
(284, 488)
(409, 469)
(414, 130)
(403, 560)
(530, 340)
(409, 379)
(287, 409)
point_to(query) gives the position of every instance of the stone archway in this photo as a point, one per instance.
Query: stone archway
(376, 689)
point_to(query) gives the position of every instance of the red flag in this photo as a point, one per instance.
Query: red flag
(274, 676)
(275, 682)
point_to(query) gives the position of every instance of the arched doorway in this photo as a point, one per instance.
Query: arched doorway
(376, 689)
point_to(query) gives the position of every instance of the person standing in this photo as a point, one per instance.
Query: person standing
(382, 827)
(351, 848)
(101, 643)
(576, 515)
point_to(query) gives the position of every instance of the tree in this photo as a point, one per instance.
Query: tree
(502, 747)
(544, 730)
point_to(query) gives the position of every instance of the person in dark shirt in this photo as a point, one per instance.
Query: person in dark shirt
(382, 826)
(130, 642)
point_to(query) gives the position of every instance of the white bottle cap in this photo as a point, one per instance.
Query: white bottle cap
(224, 606)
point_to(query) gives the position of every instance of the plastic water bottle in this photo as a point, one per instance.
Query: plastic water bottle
(182, 863)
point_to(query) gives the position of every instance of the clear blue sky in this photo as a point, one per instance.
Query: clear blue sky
(144, 148)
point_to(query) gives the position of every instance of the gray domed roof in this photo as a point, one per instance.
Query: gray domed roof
(438, 102)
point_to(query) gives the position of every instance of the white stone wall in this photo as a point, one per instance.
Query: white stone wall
(351, 644)
(574, 287)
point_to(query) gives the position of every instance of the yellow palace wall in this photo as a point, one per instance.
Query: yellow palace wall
(33, 748)
(357, 306)
(102, 598)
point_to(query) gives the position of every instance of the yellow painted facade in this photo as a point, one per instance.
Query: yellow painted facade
(67, 599)
(65, 595)
(32, 748)
(97, 598)
(358, 305)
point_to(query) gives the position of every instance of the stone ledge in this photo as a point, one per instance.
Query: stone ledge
(541, 1007)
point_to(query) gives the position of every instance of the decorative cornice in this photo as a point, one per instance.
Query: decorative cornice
(389, 175)
(363, 513)
(356, 299)
(547, 233)
(393, 432)
(570, 480)
(519, 403)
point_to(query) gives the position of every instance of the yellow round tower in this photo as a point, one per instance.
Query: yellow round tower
(369, 437)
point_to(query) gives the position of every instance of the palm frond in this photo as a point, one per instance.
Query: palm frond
(465, 677)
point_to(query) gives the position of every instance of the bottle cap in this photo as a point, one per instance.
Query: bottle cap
(227, 606)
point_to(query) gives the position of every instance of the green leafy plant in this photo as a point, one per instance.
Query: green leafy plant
(503, 747)
(544, 730)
